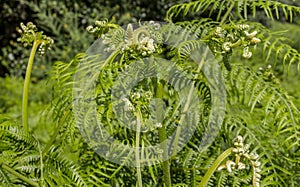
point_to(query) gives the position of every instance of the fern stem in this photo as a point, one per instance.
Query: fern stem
(137, 148)
(166, 162)
(186, 107)
(42, 165)
(214, 166)
(26, 86)
(54, 135)
(20, 176)
(162, 137)
(182, 118)
(227, 13)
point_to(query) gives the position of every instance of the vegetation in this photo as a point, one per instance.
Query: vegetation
(200, 100)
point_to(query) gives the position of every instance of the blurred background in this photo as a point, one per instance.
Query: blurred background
(65, 22)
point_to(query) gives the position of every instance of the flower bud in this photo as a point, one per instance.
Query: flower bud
(89, 28)
(255, 40)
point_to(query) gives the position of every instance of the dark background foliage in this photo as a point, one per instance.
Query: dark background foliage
(66, 22)
(56, 17)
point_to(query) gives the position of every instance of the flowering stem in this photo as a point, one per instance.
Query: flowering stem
(214, 166)
(188, 101)
(137, 148)
(26, 86)
(162, 137)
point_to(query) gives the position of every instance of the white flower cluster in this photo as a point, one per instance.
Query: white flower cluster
(242, 150)
(240, 37)
(98, 26)
(147, 46)
(139, 41)
(144, 46)
(30, 34)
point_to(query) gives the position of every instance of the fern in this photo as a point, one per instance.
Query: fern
(236, 9)
(24, 155)
(278, 116)
(250, 92)
(258, 110)
(274, 47)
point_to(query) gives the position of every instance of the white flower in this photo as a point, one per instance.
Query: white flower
(218, 31)
(257, 170)
(257, 175)
(107, 49)
(257, 163)
(147, 45)
(90, 28)
(128, 105)
(159, 125)
(254, 156)
(105, 41)
(243, 27)
(241, 166)
(229, 165)
(246, 53)
(250, 35)
(255, 40)
(226, 46)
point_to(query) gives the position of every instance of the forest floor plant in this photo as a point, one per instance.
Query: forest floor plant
(23, 162)
(40, 42)
(150, 68)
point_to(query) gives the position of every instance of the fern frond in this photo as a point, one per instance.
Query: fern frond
(24, 153)
(61, 107)
(235, 124)
(199, 27)
(279, 45)
(276, 116)
(55, 166)
(5, 179)
(237, 9)
(253, 91)
(185, 49)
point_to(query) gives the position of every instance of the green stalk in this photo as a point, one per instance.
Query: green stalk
(227, 13)
(182, 118)
(162, 137)
(186, 107)
(137, 148)
(20, 176)
(26, 86)
(215, 165)
(165, 163)
(54, 135)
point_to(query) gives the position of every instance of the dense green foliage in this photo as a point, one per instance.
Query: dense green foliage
(65, 22)
(257, 143)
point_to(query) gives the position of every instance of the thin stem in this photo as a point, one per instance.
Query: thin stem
(166, 162)
(137, 148)
(42, 164)
(227, 13)
(162, 137)
(214, 166)
(186, 107)
(26, 86)
(182, 118)
(254, 184)
(20, 176)
(55, 134)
